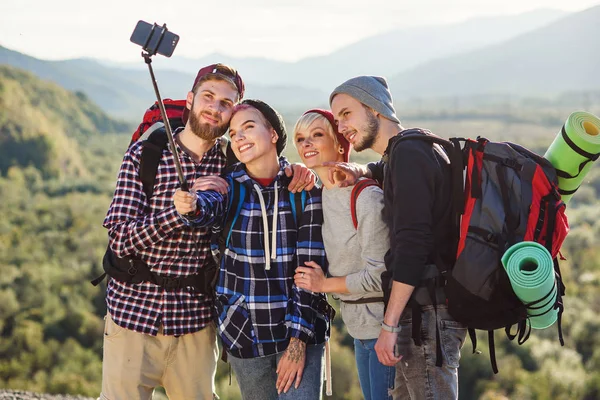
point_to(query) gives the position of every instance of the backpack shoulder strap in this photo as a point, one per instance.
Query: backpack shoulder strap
(356, 190)
(456, 156)
(152, 150)
(297, 206)
(454, 152)
(236, 200)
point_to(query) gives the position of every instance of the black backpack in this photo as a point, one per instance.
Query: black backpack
(509, 195)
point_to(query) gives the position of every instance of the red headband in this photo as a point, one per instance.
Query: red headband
(341, 139)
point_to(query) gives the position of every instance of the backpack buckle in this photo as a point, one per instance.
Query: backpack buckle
(132, 270)
(555, 193)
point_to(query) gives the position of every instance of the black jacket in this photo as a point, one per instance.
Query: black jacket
(417, 189)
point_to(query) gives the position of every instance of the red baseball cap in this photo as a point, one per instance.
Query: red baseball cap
(221, 71)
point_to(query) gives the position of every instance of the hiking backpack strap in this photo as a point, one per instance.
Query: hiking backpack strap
(473, 337)
(356, 190)
(492, 347)
(438, 341)
(132, 270)
(152, 149)
(237, 195)
(297, 206)
(236, 199)
(237, 192)
(454, 152)
(559, 302)
(457, 157)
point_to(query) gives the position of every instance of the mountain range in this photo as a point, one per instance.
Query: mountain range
(559, 57)
(540, 53)
(384, 54)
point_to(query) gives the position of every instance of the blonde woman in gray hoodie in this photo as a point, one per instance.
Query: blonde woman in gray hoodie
(355, 251)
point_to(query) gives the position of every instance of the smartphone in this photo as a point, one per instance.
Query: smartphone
(154, 38)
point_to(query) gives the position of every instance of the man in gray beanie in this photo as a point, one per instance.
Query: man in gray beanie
(416, 178)
(373, 93)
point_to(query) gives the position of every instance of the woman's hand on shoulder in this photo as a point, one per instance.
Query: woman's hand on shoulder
(302, 178)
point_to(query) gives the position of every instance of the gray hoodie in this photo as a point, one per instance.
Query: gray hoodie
(357, 254)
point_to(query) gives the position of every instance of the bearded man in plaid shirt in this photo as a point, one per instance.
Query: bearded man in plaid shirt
(163, 334)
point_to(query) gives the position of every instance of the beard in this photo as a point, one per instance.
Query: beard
(203, 130)
(370, 131)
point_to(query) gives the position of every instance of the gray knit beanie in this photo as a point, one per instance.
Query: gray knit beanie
(372, 91)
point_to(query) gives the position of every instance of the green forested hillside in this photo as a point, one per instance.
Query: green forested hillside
(41, 122)
(52, 241)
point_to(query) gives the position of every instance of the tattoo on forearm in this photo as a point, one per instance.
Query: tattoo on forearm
(295, 350)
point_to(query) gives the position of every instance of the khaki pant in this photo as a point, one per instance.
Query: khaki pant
(135, 363)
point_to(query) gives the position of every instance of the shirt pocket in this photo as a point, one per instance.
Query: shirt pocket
(235, 324)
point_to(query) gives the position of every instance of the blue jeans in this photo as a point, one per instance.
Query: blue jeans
(417, 368)
(257, 377)
(376, 380)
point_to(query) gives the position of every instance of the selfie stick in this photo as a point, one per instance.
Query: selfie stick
(147, 57)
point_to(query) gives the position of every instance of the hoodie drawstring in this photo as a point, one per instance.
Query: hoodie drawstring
(274, 234)
(270, 254)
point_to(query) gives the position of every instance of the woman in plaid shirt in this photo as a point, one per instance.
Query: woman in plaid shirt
(274, 331)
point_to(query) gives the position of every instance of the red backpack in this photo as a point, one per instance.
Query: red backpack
(174, 109)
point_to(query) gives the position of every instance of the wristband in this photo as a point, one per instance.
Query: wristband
(393, 329)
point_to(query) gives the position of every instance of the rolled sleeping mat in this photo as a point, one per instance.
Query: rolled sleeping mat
(531, 272)
(574, 150)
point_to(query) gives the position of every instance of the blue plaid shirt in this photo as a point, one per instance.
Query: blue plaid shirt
(259, 310)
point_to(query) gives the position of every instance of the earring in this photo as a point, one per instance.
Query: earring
(341, 150)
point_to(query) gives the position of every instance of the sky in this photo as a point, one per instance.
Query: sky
(286, 30)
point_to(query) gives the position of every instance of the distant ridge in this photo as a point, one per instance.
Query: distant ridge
(384, 54)
(562, 56)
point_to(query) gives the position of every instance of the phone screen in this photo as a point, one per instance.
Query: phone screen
(148, 36)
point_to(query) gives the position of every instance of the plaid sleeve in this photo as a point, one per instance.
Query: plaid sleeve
(309, 248)
(210, 208)
(130, 228)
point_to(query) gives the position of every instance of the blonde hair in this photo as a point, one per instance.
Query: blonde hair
(305, 121)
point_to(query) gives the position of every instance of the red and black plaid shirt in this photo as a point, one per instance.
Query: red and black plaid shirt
(153, 231)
